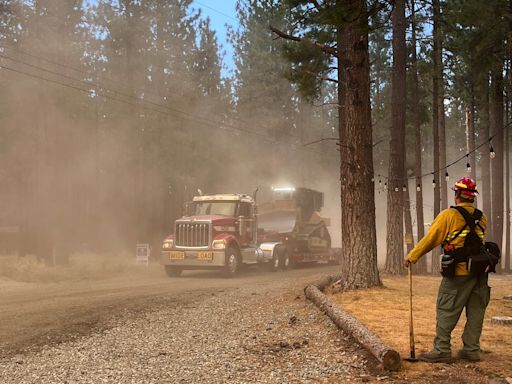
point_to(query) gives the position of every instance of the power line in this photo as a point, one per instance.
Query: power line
(216, 10)
(121, 9)
(218, 125)
(39, 57)
(91, 83)
(186, 116)
(487, 141)
(132, 96)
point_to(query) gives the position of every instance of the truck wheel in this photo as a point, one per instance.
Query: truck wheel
(173, 271)
(284, 260)
(273, 265)
(232, 266)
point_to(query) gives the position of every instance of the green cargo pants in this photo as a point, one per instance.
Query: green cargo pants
(455, 294)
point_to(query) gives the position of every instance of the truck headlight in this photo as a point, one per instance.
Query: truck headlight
(218, 244)
(168, 244)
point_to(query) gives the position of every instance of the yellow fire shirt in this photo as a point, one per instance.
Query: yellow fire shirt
(445, 226)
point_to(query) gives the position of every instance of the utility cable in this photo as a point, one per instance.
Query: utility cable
(487, 141)
(90, 82)
(186, 116)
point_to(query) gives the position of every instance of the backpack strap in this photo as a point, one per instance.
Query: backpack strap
(472, 221)
(464, 214)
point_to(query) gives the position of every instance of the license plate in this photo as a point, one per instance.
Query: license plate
(208, 256)
(177, 255)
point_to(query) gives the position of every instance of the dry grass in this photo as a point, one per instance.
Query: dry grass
(386, 312)
(84, 266)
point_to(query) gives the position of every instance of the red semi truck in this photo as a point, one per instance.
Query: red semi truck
(227, 231)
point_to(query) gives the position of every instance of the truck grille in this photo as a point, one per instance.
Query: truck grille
(192, 234)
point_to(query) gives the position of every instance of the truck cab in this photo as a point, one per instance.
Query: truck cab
(216, 232)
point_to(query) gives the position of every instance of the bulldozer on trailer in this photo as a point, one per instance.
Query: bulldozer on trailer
(292, 220)
(227, 231)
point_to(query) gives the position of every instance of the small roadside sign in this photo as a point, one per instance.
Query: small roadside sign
(142, 253)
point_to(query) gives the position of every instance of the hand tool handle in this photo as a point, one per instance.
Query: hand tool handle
(411, 328)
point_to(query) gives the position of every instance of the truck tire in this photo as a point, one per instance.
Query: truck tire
(273, 265)
(233, 263)
(280, 260)
(173, 271)
(284, 259)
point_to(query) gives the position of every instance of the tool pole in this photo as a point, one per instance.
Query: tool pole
(411, 327)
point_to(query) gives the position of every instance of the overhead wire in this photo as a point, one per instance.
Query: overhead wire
(89, 74)
(233, 118)
(120, 9)
(444, 168)
(215, 10)
(140, 102)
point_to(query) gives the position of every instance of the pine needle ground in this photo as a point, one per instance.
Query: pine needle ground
(386, 312)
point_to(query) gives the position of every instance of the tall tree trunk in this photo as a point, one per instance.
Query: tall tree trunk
(396, 179)
(359, 265)
(444, 202)
(484, 128)
(435, 126)
(506, 254)
(139, 222)
(497, 163)
(508, 121)
(422, 263)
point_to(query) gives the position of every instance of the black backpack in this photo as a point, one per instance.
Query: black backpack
(472, 243)
(475, 253)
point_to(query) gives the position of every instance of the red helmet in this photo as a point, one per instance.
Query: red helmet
(466, 185)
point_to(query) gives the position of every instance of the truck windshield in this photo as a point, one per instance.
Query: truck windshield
(226, 208)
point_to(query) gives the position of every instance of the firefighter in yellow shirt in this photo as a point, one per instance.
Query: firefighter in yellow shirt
(463, 290)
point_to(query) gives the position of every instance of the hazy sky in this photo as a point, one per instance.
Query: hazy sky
(220, 12)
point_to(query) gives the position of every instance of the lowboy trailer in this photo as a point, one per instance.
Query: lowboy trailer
(227, 231)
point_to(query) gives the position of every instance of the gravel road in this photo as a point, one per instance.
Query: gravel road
(257, 328)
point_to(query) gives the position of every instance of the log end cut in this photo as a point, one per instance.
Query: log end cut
(391, 360)
(501, 320)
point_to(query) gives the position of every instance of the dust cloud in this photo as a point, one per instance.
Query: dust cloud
(103, 137)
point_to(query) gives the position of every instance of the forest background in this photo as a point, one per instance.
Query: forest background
(113, 114)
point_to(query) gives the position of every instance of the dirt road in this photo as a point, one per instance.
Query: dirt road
(147, 328)
(33, 315)
(201, 328)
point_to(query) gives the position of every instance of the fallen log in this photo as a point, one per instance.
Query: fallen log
(389, 358)
(325, 282)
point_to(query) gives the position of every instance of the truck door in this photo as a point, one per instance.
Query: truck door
(247, 222)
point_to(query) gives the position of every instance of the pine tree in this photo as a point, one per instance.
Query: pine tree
(397, 179)
(416, 117)
(261, 87)
(343, 25)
